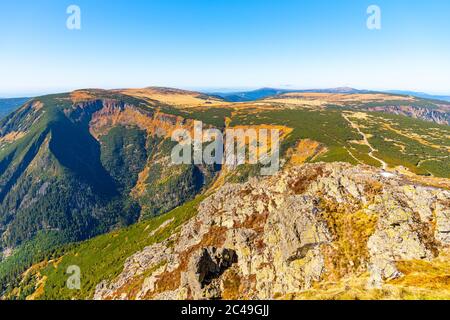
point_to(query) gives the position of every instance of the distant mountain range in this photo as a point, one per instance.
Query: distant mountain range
(268, 92)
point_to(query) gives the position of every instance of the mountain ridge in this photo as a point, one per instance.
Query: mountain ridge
(236, 96)
(77, 165)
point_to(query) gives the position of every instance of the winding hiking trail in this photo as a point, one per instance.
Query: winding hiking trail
(366, 142)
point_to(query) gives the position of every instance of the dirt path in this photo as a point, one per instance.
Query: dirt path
(366, 142)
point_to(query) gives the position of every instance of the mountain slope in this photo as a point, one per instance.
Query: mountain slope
(303, 233)
(411, 104)
(269, 92)
(424, 109)
(250, 95)
(281, 235)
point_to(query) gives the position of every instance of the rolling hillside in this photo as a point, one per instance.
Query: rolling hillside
(332, 231)
(91, 163)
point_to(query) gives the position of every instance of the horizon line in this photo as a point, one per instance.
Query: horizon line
(212, 90)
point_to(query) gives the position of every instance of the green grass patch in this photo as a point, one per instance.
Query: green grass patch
(103, 257)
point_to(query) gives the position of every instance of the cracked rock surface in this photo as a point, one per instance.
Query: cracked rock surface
(279, 235)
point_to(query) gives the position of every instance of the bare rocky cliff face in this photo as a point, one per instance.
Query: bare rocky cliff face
(439, 116)
(280, 235)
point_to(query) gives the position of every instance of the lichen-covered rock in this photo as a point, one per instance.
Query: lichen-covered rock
(280, 235)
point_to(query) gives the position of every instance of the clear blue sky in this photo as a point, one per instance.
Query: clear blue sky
(223, 44)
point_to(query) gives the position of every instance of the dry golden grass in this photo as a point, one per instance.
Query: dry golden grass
(429, 275)
(306, 149)
(312, 99)
(414, 136)
(236, 286)
(39, 288)
(81, 95)
(422, 280)
(437, 182)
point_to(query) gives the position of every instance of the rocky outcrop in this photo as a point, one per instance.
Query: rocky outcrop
(280, 235)
(205, 266)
